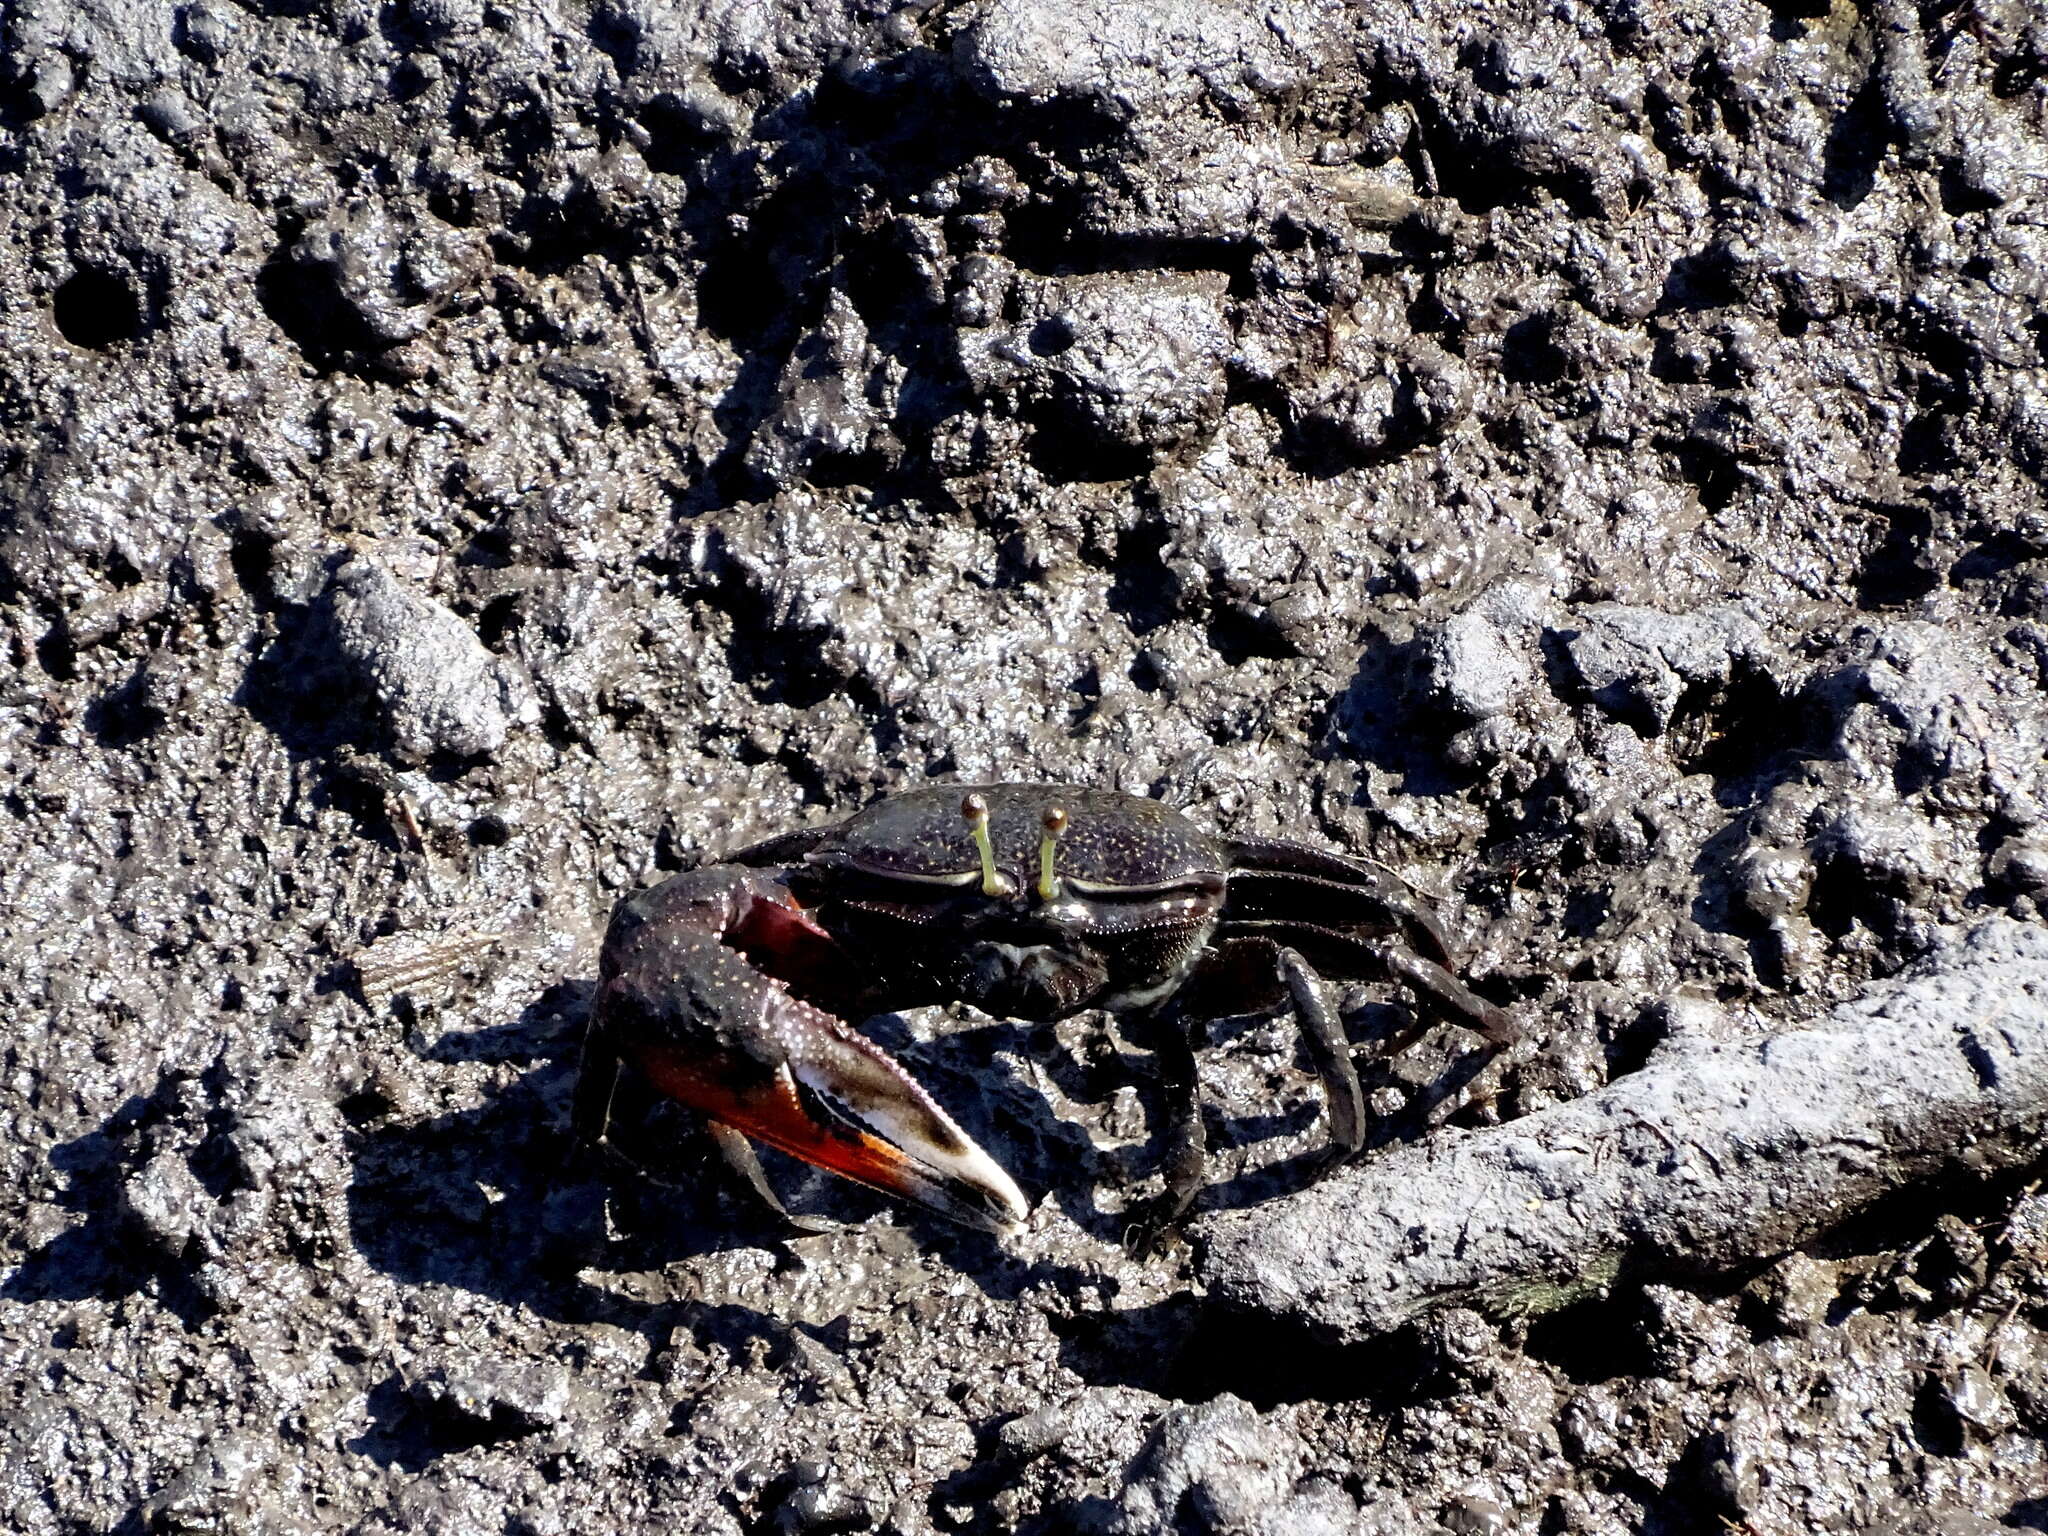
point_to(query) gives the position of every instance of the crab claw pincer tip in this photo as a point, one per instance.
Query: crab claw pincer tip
(882, 1129)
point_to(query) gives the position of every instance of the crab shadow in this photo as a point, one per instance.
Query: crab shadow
(498, 1197)
(983, 1071)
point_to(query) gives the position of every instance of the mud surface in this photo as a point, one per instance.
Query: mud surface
(461, 460)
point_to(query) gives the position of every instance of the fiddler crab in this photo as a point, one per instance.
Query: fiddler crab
(731, 987)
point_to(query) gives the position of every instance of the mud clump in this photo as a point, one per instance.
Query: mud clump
(459, 462)
(430, 684)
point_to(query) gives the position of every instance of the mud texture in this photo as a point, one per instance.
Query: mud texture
(460, 460)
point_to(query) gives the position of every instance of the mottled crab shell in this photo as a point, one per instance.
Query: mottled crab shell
(1112, 841)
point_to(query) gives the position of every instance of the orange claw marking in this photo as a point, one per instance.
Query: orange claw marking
(771, 1112)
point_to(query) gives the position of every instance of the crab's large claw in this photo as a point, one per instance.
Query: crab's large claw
(837, 1101)
(684, 999)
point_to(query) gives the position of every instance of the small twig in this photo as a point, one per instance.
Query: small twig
(1991, 1353)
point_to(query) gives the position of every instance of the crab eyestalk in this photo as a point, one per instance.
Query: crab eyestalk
(993, 882)
(1055, 822)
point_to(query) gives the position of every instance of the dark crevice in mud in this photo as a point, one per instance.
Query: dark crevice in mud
(19, 107)
(1237, 636)
(1718, 907)
(410, 1434)
(767, 280)
(1847, 896)
(1186, 1350)
(1042, 239)
(56, 654)
(885, 280)
(1585, 911)
(1927, 445)
(500, 617)
(1714, 472)
(551, 239)
(1937, 1427)
(1529, 355)
(1319, 448)
(1674, 1508)
(1628, 1049)
(126, 715)
(253, 558)
(1898, 573)
(1994, 557)
(1799, 13)
(1594, 1341)
(1670, 121)
(1745, 734)
(1702, 281)
(298, 689)
(1530, 833)
(808, 777)
(1143, 592)
(2018, 75)
(1384, 717)
(781, 666)
(1856, 144)
(1480, 182)
(1065, 453)
(1479, 170)
(97, 309)
(680, 140)
(1960, 198)
(305, 302)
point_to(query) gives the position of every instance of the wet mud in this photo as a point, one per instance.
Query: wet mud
(461, 461)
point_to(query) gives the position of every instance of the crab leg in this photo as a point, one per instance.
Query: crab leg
(1431, 980)
(1238, 973)
(1182, 1021)
(1346, 954)
(1343, 1098)
(691, 993)
(1187, 1147)
(1282, 880)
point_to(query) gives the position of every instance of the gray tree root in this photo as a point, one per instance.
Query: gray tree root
(1713, 1156)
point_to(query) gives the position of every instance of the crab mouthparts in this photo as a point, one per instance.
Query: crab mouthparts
(1027, 981)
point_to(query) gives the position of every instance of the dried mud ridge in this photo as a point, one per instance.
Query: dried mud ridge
(461, 459)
